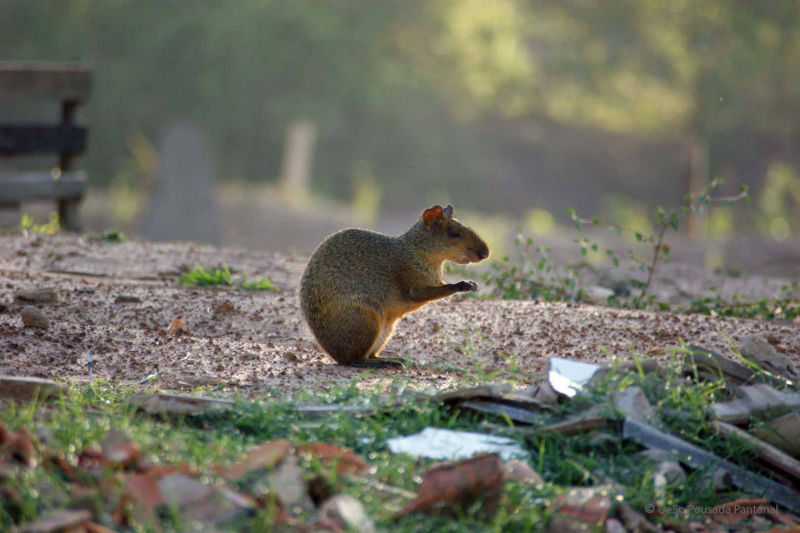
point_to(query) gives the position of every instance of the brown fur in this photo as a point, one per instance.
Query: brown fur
(359, 283)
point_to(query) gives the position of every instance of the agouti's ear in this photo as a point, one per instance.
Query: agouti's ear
(431, 214)
(448, 211)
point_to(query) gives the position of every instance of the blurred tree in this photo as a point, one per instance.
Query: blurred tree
(392, 85)
(725, 72)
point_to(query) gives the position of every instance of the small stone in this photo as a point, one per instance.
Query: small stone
(656, 455)
(667, 473)
(33, 318)
(634, 520)
(66, 520)
(37, 296)
(614, 526)
(127, 299)
(633, 403)
(521, 472)
(22, 389)
(196, 501)
(718, 480)
(759, 349)
(342, 512)
(599, 295)
(567, 524)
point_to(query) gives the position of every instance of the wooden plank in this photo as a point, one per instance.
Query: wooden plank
(37, 138)
(17, 188)
(767, 452)
(57, 81)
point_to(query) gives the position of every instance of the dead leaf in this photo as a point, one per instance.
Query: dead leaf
(342, 512)
(67, 520)
(177, 326)
(454, 486)
(142, 490)
(521, 472)
(92, 527)
(734, 512)
(118, 450)
(590, 505)
(225, 307)
(19, 446)
(785, 519)
(346, 461)
(59, 462)
(196, 501)
(634, 520)
(266, 456)
(143, 493)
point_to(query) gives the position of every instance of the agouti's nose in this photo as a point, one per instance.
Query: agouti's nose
(483, 253)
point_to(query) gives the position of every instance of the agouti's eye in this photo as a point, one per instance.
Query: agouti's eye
(453, 234)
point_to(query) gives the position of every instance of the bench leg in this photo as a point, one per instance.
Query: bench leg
(68, 214)
(9, 214)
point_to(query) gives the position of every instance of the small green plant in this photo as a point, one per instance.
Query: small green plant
(28, 225)
(262, 284)
(663, 220)
(207, 277)
(536, 276)
(533, 276)
(786, 307)
(113, 236)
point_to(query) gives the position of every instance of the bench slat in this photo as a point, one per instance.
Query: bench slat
(16, 188)
(16, 139)
(57, 81)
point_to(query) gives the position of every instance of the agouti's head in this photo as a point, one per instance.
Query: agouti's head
(452, 240)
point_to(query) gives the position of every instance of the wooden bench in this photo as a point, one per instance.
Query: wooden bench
(70, 85)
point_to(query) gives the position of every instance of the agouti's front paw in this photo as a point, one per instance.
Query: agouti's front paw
(467, 286)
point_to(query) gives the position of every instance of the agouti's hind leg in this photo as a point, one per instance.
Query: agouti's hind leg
(353, 340)
(373, 361)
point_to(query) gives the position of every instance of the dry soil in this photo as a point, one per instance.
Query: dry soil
(252, 342)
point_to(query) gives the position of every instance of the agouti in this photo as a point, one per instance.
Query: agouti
(359, 283)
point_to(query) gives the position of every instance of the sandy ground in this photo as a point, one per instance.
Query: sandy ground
(253, 342)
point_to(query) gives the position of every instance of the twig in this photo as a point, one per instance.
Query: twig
(652, 268)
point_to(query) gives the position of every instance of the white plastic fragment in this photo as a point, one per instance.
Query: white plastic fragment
(447, 444)
(568, 376)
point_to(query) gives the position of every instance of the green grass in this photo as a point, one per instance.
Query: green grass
(595, 458)
(207, 277)
(113, 236)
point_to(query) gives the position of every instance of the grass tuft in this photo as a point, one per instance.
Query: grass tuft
(221, 276)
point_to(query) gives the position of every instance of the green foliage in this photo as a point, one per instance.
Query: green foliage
(28, 225)
(786, 307)
(208, 277)
(205, 442)
(391, 84)
(534, 276)
(663, 220)
(262, 284)
(113, 236)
